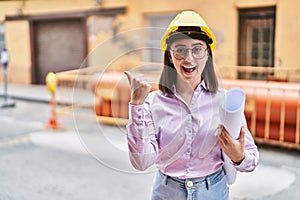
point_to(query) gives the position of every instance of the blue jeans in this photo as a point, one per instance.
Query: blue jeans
(212, 187)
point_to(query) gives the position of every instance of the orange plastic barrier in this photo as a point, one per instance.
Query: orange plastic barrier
(274, 116)
(112, 93)
(277, 107)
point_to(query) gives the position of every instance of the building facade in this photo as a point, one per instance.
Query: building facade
(55, 35)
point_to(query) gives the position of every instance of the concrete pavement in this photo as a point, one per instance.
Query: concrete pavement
(277, 177)
(266, 182)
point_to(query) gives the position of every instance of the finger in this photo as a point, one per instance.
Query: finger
(242, 134)
(224, 133)
(221, 143)
(220, 129)
(145, 83)
(139, 78)
(129, 76)
(149, 86)
(221, 135)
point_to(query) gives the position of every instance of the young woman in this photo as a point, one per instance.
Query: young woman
(177, 127)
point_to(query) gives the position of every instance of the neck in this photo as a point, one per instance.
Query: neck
(186, 89)
(187, 85)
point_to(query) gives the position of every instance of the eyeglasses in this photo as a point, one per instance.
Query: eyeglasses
(181, 52)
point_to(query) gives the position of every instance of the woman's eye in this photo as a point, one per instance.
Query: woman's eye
(181, 50)
(197, 49)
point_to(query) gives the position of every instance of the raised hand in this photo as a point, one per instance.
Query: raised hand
(140, 88)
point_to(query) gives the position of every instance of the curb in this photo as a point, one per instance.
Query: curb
(23, 98)
(36, 100)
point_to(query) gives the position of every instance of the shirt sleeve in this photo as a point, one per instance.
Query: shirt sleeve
(142, 142)
(251, 153)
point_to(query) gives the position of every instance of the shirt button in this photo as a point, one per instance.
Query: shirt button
(189, 183)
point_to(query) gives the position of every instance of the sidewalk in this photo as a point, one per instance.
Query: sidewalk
(41, 96)
(39, 93)
(276, 177)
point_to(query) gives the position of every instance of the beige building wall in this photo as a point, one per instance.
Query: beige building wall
(18, 43)
(221, 16)
(287, 42)
(11, 7)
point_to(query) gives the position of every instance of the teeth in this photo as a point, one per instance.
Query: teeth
(189, 67)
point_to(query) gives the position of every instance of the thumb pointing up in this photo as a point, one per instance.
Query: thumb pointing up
(129, 76)
(140, 88)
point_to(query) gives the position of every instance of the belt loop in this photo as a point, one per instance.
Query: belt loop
(207, 182)
(165, 180)
(223, 169)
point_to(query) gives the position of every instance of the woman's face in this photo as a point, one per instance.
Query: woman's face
(189, 57)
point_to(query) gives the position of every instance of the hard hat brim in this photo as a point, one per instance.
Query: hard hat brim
(210, 38)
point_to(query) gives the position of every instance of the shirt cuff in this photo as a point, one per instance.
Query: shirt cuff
(136, 113)
(246, 163)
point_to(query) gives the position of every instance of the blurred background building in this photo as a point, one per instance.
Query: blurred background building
(60, 35)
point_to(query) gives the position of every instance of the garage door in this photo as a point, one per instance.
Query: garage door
(59, 45)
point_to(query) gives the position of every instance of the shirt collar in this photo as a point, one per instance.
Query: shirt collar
(201, 86)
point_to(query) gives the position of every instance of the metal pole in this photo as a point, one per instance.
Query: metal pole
(5, 84)
(4, 61)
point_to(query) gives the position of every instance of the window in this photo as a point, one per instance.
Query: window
(158, 24)
(256, 38)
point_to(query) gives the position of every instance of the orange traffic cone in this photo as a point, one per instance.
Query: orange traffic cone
(52, 121)
(51, 85)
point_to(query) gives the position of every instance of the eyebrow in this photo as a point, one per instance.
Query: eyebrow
(183, 45)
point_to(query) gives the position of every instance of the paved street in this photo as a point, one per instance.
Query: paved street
(88, 160)
(38, 163)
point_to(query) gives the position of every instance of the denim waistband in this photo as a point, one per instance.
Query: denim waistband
(206, 181)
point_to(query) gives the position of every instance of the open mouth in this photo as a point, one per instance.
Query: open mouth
(189, 69)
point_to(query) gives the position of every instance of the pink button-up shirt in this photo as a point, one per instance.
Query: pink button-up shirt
(181, 140)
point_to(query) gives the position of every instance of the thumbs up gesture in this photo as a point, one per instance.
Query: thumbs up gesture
(140, 88)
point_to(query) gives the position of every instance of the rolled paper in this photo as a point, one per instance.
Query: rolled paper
(231, 117)
(232, 111)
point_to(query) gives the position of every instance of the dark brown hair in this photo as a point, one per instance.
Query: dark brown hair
(169, 74)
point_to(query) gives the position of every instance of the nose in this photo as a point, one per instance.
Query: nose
(189, 55)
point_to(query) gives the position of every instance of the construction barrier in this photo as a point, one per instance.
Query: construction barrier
(112, 93)
(272, 108)
(112, 96)
(272, 111)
